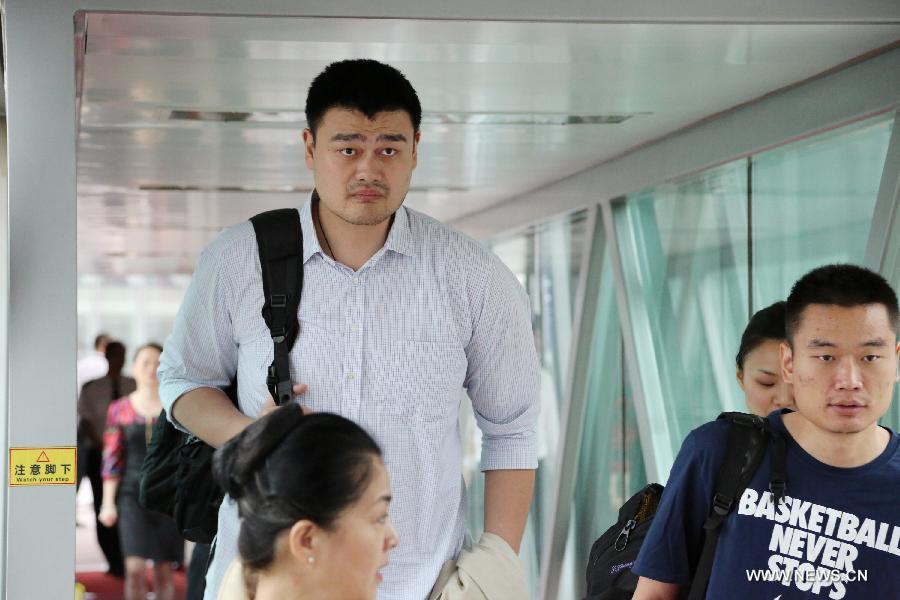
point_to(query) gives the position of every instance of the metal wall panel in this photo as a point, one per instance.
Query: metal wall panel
(40, 393)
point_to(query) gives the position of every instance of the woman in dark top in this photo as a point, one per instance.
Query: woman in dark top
(145, 535)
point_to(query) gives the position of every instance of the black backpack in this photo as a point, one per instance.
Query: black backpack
(176, 477)
(609, 575)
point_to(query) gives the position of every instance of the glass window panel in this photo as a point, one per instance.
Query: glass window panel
(610, 465)
(559, 246)
(812, 204)
(546, 259)
(691, 269)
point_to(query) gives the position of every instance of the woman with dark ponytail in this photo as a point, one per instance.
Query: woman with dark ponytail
(313, 496)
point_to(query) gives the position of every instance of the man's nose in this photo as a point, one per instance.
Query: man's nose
(848, 375)
(368, 168)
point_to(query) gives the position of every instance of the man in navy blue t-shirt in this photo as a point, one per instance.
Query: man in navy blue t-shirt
(837, 532)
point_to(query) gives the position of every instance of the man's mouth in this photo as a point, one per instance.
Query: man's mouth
(367, 194)
(847, 407)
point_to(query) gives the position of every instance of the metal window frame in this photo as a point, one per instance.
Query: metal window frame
(883, 247)
(642, 364)
(574, 402)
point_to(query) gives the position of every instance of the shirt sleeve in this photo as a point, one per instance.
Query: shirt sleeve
(503, 374)
(201, 351)
(672, 547)
(113, 444)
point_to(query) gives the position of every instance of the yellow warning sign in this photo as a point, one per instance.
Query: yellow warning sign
(42, 466)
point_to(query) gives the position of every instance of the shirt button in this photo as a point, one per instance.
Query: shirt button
(356, 281)
(350, 376)
(354, 328)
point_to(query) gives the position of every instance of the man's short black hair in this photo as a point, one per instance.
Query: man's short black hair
(840, 285)
(361, 84)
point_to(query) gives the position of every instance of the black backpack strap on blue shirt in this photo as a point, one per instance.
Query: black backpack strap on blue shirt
(280, 240)
(748, 438)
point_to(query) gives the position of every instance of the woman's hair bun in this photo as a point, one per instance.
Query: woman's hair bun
(285, 467)
(236, 463)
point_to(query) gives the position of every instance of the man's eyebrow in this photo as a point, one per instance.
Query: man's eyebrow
(359, 137)
(767, 372)
(817, 343)
(348, 137)
(391, 137)
(874, 343)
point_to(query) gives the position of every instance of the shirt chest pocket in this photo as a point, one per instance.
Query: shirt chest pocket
(423, 380)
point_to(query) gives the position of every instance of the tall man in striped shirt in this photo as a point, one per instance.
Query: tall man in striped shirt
(399, 317)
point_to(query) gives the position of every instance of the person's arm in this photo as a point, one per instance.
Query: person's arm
(503, 382)
(200, 357)
(109, 514)
(210, 415)
(650, 589)
(113, 464)
(674, 542)
(507, 498)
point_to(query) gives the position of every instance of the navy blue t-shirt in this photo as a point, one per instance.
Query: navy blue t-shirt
(837, 535)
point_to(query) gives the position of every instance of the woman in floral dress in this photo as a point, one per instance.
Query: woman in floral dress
(145, 535)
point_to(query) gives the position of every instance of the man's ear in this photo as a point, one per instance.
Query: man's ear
(309, 145)
(787, 362)
(739, 375)
(415, 149)
(897, 350)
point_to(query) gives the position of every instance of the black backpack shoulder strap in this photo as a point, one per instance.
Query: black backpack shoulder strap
(748, 437)
(280, 240)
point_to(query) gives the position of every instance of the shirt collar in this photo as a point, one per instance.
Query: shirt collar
(310, 239)
(399, 237)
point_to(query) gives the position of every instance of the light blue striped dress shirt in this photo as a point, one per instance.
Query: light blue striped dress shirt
(393, 346)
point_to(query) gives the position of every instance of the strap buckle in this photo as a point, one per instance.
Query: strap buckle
(722, 504)
(278, 300)
(284, 393)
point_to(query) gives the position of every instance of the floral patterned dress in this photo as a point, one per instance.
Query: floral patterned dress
(143, 533)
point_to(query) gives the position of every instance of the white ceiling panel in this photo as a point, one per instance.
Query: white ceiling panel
(139, 68)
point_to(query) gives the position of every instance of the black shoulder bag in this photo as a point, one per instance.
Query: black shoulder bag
(176, 477)
(608, 572)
